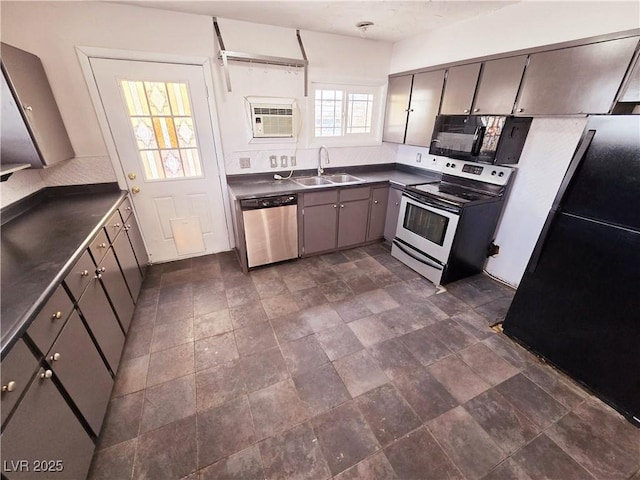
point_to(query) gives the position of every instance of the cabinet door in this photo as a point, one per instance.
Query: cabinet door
(352, 224)
(320, 223)
(47, 325)
(459, 89)
(576, 80)
(395, 117)
(425, 103)
(18, 367)
(44, 428)
(35, 98)
(102, 322)
(393, 210)
(499, 84)
(77, 364)
(128, 265)
(135, 237)
(80, 275)
(378, 213)
(631, 91)
(116, 288)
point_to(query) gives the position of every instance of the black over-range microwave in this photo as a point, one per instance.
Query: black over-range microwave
(480, 138)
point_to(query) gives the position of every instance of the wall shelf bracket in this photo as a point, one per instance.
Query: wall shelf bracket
(227, 55)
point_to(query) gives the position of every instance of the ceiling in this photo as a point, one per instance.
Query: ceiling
(394, 20)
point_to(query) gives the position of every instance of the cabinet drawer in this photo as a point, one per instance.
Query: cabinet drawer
(17, 369)
(99, 246)
(47, 325)
(360, 193)
(320, 198)
(80, 276)
(113, 226)
(125, 209)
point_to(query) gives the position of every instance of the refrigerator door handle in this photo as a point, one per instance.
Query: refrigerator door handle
(573, 167)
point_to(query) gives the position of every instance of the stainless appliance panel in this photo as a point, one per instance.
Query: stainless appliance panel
(430, 230)
(417, 261)
(271, 234)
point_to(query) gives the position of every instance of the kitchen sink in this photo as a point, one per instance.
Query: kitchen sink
(311, 181)
(342, 178)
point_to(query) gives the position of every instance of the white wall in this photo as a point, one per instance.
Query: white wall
(551, 142)
(56, 28)
(523, 25)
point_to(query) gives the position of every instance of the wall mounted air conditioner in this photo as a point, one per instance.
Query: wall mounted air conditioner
(273, 120)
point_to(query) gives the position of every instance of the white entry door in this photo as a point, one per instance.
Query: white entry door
(160, 122)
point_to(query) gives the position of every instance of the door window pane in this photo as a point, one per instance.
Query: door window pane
(163, 128)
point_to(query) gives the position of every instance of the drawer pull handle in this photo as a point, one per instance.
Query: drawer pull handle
(56, 316)
(28, 108)
(128, 209)
(46, 374)
(335, 206)
(116, 225)
(9, 387)
(98, 276)
(103, 245)
(55, 357)
(397, 203)
(84, 273)
(376, 202)
(341, 205)
(102, 269)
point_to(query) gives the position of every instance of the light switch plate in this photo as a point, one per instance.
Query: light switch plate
(283, 161)
(293, 161)
(418, 158)
(274, 161)
(245, 162)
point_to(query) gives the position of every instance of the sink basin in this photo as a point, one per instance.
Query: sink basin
(311, 181)
(342, 178)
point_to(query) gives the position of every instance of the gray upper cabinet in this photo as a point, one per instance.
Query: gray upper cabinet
(631, 92)
(460, 89)
(36, 107)
(498, 86)
(395, 121)
(576, 80)
(425, 102)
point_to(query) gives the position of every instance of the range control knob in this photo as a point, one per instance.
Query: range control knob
(501, 174)
(448, 164)
(453, 165)
(494, 172)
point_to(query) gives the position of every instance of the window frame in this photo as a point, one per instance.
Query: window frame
(374, 137)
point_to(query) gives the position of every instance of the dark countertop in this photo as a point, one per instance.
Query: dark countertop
(40, 246)
(265, 186)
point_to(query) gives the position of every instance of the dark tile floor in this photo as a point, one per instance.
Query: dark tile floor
(344, 366)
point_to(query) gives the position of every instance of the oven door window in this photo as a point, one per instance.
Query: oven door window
(426, 224)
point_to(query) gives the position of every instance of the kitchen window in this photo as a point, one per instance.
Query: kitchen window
(346, 115)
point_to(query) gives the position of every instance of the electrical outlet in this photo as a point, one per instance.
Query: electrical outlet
(274, 161)
(245, 162)
(418, 158)
(293, 161)
(283, 161)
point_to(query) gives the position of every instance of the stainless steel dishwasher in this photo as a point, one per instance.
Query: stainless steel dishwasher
(270, 229)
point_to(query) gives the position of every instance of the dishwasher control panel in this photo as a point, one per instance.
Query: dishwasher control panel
(268, 202)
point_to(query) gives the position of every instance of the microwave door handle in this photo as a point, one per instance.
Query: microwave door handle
(421, 260)
(478, 138)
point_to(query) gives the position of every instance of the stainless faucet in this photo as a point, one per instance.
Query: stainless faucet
(326, 152)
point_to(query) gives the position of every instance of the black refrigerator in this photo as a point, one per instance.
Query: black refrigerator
(578, 304)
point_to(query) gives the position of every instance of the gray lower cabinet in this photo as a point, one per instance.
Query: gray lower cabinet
(135, 237)
(77, 364)
(378, 213)
(320, 228)
(576, 80)
(47, 325)
(116, 288)
(393, 211)
(425, 103)
(498, 86)
(18, 368)
(102, 322)
(44, 439)
(459, 89)
(128, 265)
(352, 223)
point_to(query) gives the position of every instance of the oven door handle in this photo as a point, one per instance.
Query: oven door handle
(417, 259)
(478, 138)
(441, 203)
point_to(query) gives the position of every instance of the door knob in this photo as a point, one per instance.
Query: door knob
(135, 189)
(132, 176)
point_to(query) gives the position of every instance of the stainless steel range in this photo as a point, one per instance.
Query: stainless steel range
(445, 229)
